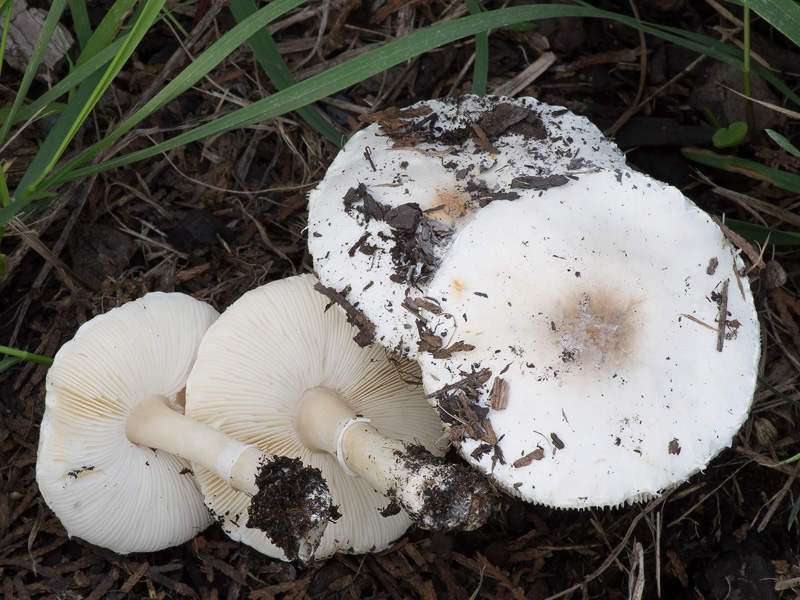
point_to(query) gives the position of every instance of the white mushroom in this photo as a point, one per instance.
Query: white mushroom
(114, 445)
(382, 218)
(297, 386)
(614, 342)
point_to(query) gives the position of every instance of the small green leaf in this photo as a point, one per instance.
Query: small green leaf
(726, 137)
(783, 142)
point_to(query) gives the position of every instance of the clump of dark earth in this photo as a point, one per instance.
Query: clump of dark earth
(291, 501)
(460, 500)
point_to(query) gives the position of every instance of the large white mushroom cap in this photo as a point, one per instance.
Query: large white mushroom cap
(386, 211)
(105, 489)
(615, 340)
(271, 346)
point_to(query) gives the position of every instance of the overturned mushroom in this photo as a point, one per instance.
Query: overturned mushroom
(114, 445)
(283, 361)
(382, 218)
(614, 342)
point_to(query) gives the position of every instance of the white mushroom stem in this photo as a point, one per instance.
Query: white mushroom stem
(435, 494)
(154, 424)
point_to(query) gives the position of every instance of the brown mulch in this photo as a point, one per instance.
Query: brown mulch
(219, 217)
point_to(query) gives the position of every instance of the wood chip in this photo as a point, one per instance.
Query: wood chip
(537, 454)
(499, 394)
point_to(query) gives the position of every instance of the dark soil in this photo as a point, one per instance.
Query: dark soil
(216, 218)
(292, 502)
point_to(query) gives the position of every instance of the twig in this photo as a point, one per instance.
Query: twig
(723, 315)
(514, 86)
(636, 580)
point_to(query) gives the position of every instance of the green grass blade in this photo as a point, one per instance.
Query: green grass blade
(6, 6)
(184, 80)
(758, 234)
(342, 76)
(27, 112)
(795, 509)
(50, 23)
(734, 164)
(480, 71)
(8, 362)
(5, 197)
(783, 15)
(711, 48)
(85, 99)
(80, 18)
(75, 77)
(278, 72)
(22, 355)
(107, 30)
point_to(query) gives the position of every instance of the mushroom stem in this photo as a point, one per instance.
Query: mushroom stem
(153, 423)
(435, 493)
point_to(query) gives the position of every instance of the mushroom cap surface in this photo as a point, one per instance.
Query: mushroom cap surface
(255, 363)
(105, 489)
(385, 213)
(594, 312)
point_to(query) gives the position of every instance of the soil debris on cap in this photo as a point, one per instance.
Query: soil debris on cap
(482, 195)
(433, 343)
(458, 403)
(366, 329)
(537, 182)
(289, 503)
(511, 118)
(482, 128)
(416, 177)
(413, 235)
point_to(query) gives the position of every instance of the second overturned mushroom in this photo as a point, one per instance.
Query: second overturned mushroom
(295, 384)
(396, 196)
